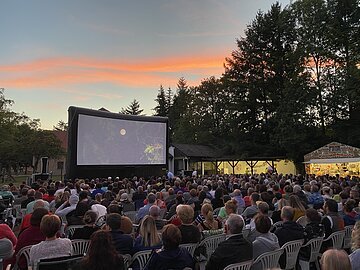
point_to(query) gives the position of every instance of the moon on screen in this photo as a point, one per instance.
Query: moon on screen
(122, 132)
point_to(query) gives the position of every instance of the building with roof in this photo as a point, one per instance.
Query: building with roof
(334, 158)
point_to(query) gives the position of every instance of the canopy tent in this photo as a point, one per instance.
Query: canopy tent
(333, 158)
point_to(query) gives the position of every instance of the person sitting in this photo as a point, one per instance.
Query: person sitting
(265, 240)
(38, 197)
(85, 232)
(234, 249)
(252, 210)
(229, 208)
(209, 222)
(237, 196)
(30, 197)
(315, 197)
(350, 216)
(313, 229)
(26, 219)
(334, 259)
(122, 242)
(218, 200)
(332, 221)
(53, 246)
(143, 211)
(102, 254)
(288, 231)
(154, 212)
(355, 247)
(148, 237)
(189, 232)
(276, 215)
(67, 209)
(298, 206)
(125, 203)
(171, 256)
(30, 236)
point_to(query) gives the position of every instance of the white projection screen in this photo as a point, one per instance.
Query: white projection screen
(110, 141)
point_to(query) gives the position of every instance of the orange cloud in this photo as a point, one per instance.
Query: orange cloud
(151, 72)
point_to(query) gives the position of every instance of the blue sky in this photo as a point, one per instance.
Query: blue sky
(56, 54)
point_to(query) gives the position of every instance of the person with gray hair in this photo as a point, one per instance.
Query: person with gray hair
(234, 249)
(154, 211)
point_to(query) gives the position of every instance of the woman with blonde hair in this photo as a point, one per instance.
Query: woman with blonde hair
(335, 259)
(209, 222)
(355, 247)
(298, 207)
(148, 237)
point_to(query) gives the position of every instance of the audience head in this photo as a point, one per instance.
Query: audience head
(126, 225)
(263, 208)
(207, 211)
(185, 213)
(330, 205)
(171, 237)
(73, 200)
(149, 232)
(334, 259)
(262, 223)
(113, 221)
(254, 198)
(287, 213)
(231, 207)
(37, 215)
(89, 217)
(234, 224)
(151, 198)
(114, 208)
(313, 216)
(154, 211)
(50, 225)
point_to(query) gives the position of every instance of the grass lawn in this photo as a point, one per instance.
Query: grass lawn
(22, 178)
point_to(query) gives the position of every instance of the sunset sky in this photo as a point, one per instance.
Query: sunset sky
(93, 54)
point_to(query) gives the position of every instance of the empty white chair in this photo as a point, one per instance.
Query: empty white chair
(347, 237)
(269, 259)
(239, 266)
(190, 247)
(142, 257)
(315, 245)
(80, 246)
(291, 250)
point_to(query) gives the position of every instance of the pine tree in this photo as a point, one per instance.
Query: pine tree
(133, 108)
(161, 108)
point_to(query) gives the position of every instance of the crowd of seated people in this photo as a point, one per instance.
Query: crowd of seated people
(268, 205)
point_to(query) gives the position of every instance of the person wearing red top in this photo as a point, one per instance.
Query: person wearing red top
(6, 232)
(50, 196)
(30, 236)
(26, 220)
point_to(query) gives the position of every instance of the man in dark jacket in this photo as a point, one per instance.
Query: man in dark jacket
(122, 242)
(234, 249)
(288, 231)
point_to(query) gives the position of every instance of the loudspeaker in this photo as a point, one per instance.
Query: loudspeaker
(44, 164)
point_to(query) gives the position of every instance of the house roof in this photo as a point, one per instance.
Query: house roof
(333, 150)
(63, 137)
(193, 150)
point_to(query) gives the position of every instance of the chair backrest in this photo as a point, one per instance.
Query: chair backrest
(131, 215)
(302, 221)
(239, 266)
(127, 260)
(347, 237)
(80, 246)
(190, 247)
(25, 251)
(59, 263)
(315, 246)
(216, 211)
(211, 243)
(162, 213)
(69, 230)
(269, 259)
(291, 250)
(337, 239)
(142, 257)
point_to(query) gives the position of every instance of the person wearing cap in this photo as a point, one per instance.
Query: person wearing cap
(143, 211)
(125, 203)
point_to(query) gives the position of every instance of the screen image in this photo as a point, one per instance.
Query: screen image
(110, 141)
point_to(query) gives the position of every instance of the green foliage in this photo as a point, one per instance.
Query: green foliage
(61, 126)
(133, 108)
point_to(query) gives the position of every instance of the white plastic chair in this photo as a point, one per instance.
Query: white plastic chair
(127, 260)
(269, 259)
(69, 230)
(291, 250)
(315, 245)
(142, 257)
(302, 221)
(337, 239)
(190, 247)
(211, 243)
(80, 246)
(25, 251)
(239, 266)
(347, 237)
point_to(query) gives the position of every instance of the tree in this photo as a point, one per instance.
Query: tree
(161, 108)
(133, 108)
(61, 126)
